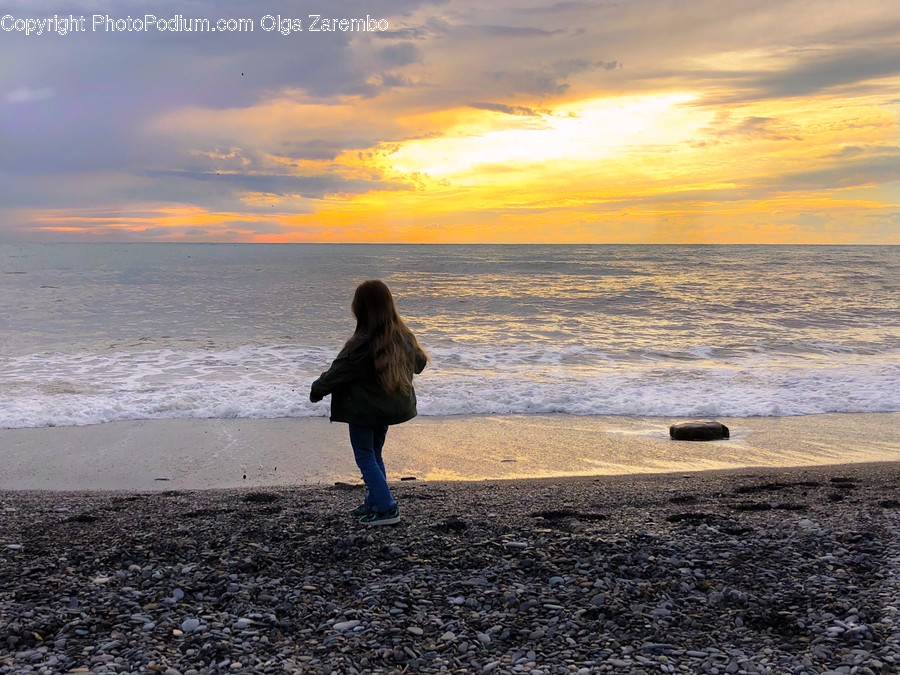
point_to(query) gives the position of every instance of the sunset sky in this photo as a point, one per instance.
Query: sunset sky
(635, 121)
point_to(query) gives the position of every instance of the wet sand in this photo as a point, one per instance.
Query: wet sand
(199, 454)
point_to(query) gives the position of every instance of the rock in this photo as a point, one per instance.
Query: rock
(345, 625)
(698, 431)
(190, 625)
(415, 630)
(408, 478)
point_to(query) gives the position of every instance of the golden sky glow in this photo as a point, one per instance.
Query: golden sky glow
(712, 123)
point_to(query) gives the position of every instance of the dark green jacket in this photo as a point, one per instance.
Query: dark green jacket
(357, 396)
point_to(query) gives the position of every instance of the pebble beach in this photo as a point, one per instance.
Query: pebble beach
(742, 571)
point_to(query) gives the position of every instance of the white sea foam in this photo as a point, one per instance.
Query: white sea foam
(271, 381)
(145, 331)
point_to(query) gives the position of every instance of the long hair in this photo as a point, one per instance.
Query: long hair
(378, 318)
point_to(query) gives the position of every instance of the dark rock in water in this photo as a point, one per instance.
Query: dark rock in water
(698, 431)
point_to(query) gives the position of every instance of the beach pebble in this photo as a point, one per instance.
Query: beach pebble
(190, 625)
(290, 584)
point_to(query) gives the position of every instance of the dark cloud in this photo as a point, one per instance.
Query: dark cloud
(514, 31)
(559, 7)
(400, 54)
(763, 127)
(405, 33)
(393, 80)
(318, 148)
(82, 104)
(725, 128)
(314, 187)
(825, 71)
(874, 170)
(541, 83)
(849, 151)
(550, 79)
(518, 110)
(813, 72)
(573, 66)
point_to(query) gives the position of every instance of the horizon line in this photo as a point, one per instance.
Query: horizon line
(403, 243)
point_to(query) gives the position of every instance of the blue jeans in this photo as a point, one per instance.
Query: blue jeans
(367, 443)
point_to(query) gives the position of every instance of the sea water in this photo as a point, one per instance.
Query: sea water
(94, 333)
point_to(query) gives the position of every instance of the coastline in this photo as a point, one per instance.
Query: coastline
(757, 571)
(190, 454)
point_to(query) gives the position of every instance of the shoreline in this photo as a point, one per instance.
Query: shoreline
(190, 454)
(766, 570)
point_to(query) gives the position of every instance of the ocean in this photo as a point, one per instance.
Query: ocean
(94, 333)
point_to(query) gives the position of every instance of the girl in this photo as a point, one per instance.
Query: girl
(371, 386)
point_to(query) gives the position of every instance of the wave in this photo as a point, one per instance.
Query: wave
(270, 381)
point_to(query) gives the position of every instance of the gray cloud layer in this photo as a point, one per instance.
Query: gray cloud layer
(75, 110)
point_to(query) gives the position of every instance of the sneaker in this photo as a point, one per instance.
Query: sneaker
(360, 511)
(391, 517)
